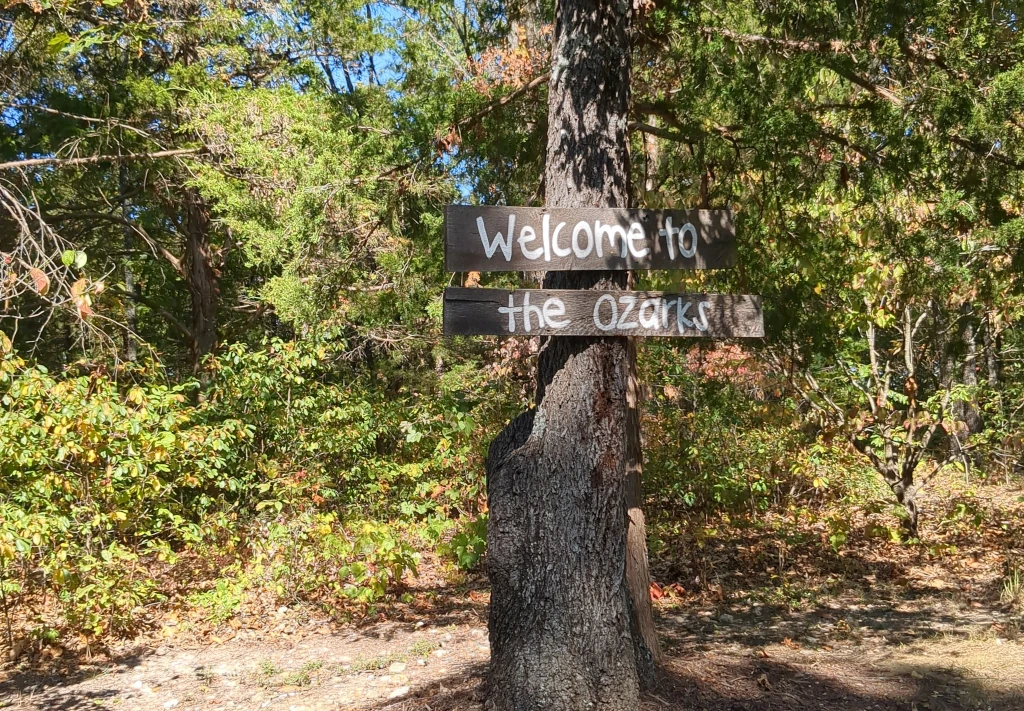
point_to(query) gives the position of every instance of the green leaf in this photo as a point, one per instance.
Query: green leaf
(58, 42)
(67, 257)
(80, 259)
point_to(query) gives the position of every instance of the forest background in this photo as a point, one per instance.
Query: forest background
(221, 268)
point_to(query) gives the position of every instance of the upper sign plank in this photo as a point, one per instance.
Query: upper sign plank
(512, 239)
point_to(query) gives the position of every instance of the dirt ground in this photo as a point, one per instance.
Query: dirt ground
(759, 616)
(930, 653)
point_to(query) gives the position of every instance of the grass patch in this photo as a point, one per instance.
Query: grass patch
(419, 650)
(1013, 588)
(381, 661)
(423, 648)
(304, 676)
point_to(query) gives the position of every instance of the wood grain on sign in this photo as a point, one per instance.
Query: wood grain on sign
(512, 239)
(567, 312)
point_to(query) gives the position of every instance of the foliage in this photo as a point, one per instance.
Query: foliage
(876, 179)
(221, 261)
(99, 478)
(315, 558)
(469, 544)
(109, 478)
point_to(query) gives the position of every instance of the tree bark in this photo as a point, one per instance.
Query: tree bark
(200, 275)
(991, 346)
(966, 411)
(561, 620)
(638, 578)
(652, 161)
(907, 497)
(130, 347)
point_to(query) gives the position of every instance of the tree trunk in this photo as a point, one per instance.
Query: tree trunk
(906, 496)
(966, 411)
(561, 619)
(638, 578)
(201, 276)
(652, 160)
(970, 348)
(991, 346)
(130, 346)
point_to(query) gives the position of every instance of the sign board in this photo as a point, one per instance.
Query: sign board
(512, 239)
(568, 312)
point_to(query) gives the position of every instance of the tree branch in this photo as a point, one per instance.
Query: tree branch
(665, 112)
(829, 46)
(508, 98)
(170, 318)
(862, 151)
(155, 247)
(90, 160)
(461, 124)
(988, 153)
(835, 46)
(869, 86)
(662, 132)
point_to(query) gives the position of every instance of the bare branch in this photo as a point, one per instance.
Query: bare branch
(662, 132)
(827, 46)
(908, 342)
(853, 381)
(508, 98)
(90, 160)
(171, 319)
(986, 152)
(868, 85)
(157, 248)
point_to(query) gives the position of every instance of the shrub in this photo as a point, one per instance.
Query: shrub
(313, 466)
(97, 476)
(320, 559)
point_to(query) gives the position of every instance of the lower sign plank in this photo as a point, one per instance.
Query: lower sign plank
(567, 312)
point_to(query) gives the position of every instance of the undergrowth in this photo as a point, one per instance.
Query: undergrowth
(285, 474)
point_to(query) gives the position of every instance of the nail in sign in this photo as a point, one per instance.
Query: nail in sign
(508, 239)
(568, 312)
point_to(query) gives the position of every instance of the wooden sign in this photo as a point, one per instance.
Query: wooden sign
(511, 239)
(568, 312)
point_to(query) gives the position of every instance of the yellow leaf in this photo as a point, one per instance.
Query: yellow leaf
(79, 287)
(83, 305)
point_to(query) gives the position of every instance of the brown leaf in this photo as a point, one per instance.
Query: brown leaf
(39, 280)
(676, 589)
